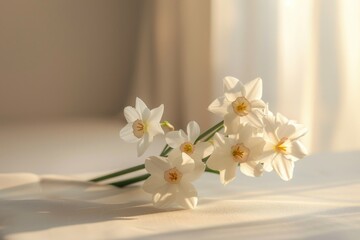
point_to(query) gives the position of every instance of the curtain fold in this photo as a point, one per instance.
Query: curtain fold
(173, 60)
(307, 52)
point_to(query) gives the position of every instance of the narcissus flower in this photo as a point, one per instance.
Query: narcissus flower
(240, 104)
(242, 149)
(253, 140)
(143, 125)
(283, 147)
(170, 181)
(185, 143)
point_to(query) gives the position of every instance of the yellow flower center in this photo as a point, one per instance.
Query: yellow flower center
(281, 146)
(172, 175)
(240, 153)
(241, 106)
(139, 128)
(187, 147)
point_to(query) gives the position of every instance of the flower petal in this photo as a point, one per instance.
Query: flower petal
(127, 134)
(184, 163)
(145, 115)
(219, 140)
(268, 153)
(196, 173)
(297, 151)
(193, 131)
(219, 106)
(252, 169)
(233, 88)
(256, 145)
(245, 133)
(131, 115)
(270, 127)
(283, 167)
(300, 131)
(156, 166)
(267, 159)
(154, 128)
(260, 104)
(231, 123)
(281, 119)
(175, 153)
(142, 109)
(202, 150)
(229, 83)
(253, 89)
(140, 105)
(153, 184)
(220, 159)
(143, 144)
(187, 195)
(285, 131)
(254, 117)
(227, 175)
(166, 196)
(267, 166)
(175, 138)
(156, 114)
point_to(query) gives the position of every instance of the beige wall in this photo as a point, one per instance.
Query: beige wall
(64, 57)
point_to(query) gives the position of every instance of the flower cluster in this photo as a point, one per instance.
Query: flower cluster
(250, 138)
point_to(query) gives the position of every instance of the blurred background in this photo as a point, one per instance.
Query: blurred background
(68, 68)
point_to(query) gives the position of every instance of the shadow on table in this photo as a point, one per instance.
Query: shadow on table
(342, 223)
(52, 203)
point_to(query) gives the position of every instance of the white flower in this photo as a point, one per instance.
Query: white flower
(170, 181)
(240, 104)
(283, 147)
(242, 149)
(185, 143)
(143, 125)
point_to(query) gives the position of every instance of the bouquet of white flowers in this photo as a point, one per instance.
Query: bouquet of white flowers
(249, 137)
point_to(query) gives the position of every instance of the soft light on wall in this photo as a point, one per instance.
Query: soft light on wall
(348, 117)
(308, 54)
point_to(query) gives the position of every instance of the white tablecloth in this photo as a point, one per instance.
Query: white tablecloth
(321, 202)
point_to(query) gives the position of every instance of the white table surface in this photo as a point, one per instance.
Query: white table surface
(321, 202)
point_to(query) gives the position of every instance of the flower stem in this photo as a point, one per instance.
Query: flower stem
(210, 130)
(129, 181)
(166, 152)
(119, 173)
(211, 135)
(211, 171)
(164, 149)
(163, 153)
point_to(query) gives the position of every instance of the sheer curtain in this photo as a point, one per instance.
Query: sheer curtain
(173, 59)
(307, 53)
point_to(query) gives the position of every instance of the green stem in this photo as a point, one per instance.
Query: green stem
(211, 135)
(129, 181)
(210, 130)
(211, 171)
(118, 173)
(163, 153)
(129, 170)
(164, 149)
(166, 152)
